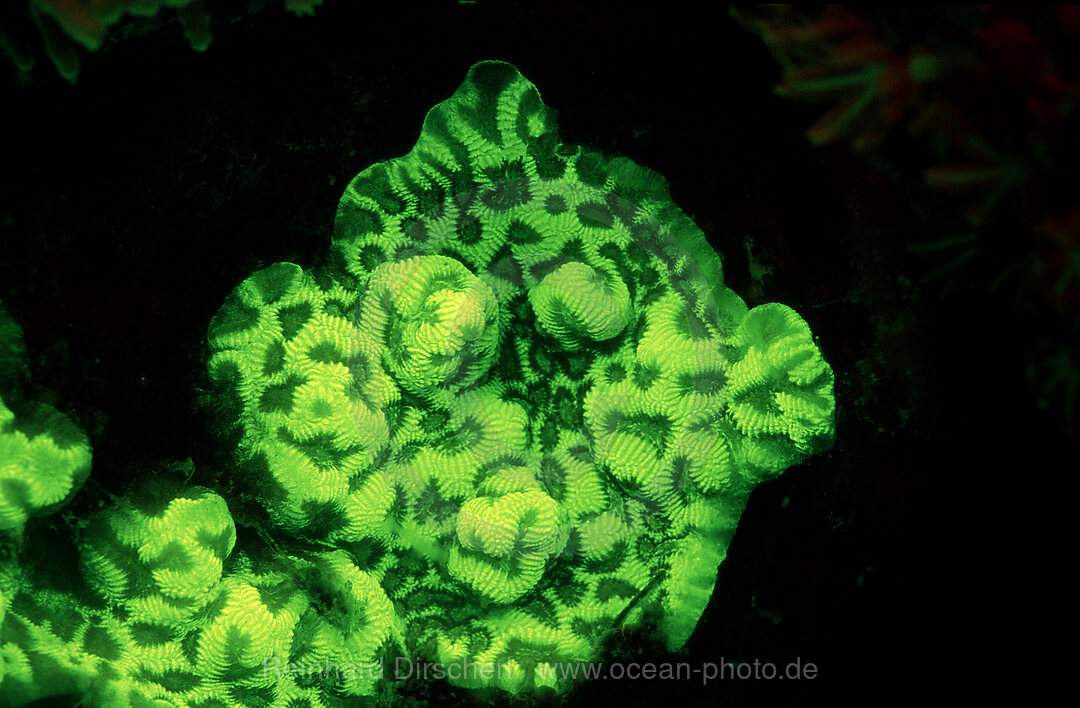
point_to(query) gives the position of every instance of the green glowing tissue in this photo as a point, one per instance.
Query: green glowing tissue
(523, 382)
(518, 413)
(44, 456)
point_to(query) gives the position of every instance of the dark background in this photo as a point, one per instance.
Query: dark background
(134, 201)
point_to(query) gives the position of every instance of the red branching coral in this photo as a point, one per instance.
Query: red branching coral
(979, 103)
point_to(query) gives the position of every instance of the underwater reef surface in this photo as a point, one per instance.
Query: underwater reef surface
(136, 200)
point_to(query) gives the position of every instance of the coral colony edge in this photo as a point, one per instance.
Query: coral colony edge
(517, 412)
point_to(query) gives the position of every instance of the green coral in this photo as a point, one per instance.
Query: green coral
(312, 403)
(184, 623)
(44, 460)
(159, 554)
(520, 412)
(577, 305)
(44, 456)
(576, 407)
(504, 543)
(42, 644)
(432, 321)
(781, 388)
(166, 613)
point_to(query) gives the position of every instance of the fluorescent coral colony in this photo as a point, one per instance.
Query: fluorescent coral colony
(517, 412)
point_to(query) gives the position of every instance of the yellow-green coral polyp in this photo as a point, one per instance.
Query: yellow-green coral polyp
(44, 459)
(576, 306)
(504, 543)
(432, 321)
